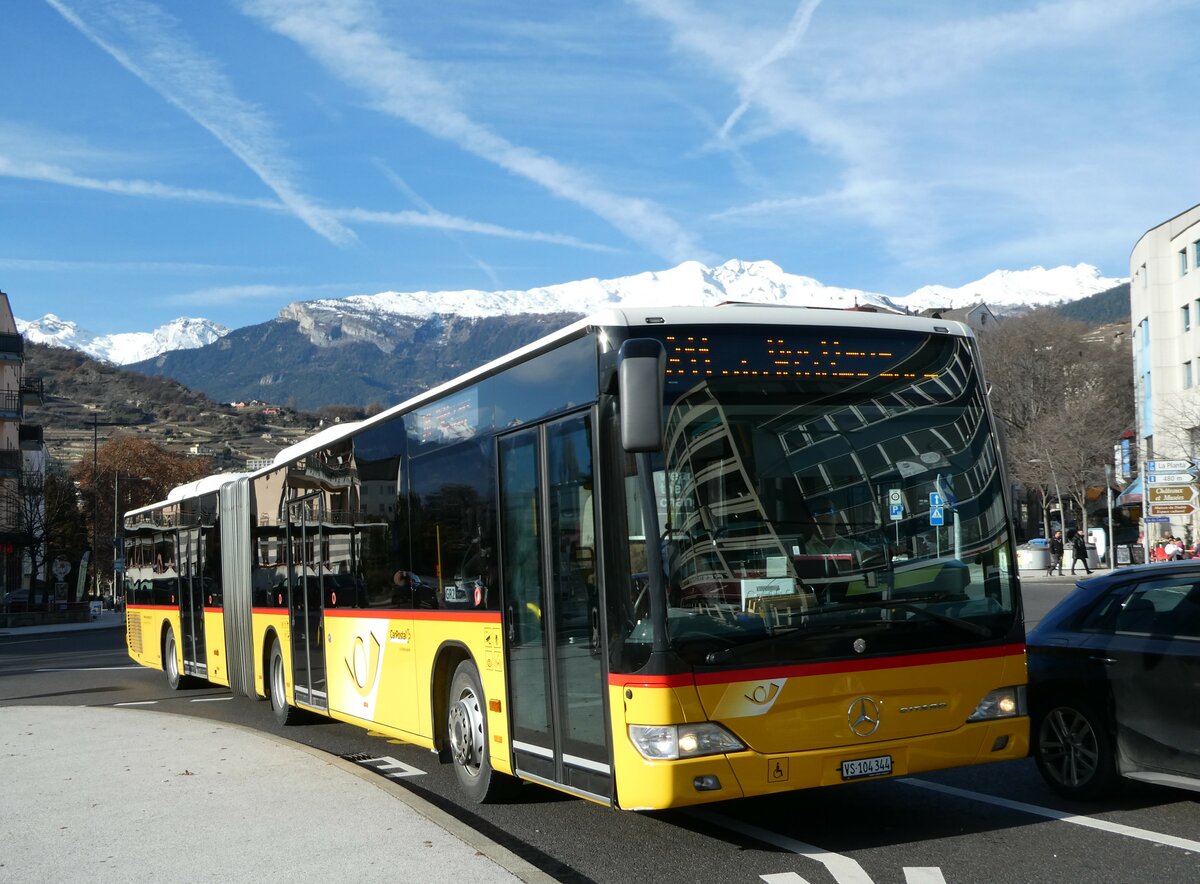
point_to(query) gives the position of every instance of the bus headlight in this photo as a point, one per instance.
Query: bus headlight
(668, 742)
(1000, 703)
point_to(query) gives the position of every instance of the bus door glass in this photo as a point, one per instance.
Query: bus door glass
(306, 608)
(191, 603)
(552, 623)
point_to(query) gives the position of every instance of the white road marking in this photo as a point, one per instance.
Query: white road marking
(211, 699)
(1075, 819)
(90, 669)
(138, 703)
(843, 868)
(387, 763)
(784, 878)
(924, 875)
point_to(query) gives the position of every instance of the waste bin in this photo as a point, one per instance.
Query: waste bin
(1033, 558)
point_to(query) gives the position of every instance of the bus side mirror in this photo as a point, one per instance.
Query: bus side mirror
(641, 379)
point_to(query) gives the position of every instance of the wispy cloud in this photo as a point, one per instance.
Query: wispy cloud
(234, 294)
(144, 40)
(421, 203)
(53, 174)
(880, 101)
(751, 83)
(349, 40)
(38, 265)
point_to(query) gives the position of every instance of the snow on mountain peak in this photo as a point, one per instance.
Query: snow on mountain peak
(690, 283)
(1000, 289)
(123, 348)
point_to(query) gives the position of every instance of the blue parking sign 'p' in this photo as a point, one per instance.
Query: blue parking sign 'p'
(896, 511)
(937, 515)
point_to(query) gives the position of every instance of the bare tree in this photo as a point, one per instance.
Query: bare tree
(1063, 395)
(137, 469)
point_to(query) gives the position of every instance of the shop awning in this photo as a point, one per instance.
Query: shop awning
(1132, 495)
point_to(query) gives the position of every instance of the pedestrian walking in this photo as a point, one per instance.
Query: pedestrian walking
(1056, 554)
(1079, 551)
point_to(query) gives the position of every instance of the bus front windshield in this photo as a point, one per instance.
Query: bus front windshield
(838, 514)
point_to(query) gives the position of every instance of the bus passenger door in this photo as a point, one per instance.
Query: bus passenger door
(191, 603)
(306, 602)
(552, 620)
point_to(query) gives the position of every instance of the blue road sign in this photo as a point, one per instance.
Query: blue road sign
(935, 499)
(937, 515)
(1156, 519)
(896, 511)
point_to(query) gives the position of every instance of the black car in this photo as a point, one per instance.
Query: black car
(1114, 681)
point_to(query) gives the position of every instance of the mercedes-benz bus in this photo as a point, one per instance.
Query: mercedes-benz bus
(658, 558)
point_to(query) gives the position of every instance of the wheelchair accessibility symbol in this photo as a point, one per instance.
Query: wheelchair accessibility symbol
(777, 770)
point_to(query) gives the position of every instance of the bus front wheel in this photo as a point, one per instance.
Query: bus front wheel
(276, 686)
(466, 729)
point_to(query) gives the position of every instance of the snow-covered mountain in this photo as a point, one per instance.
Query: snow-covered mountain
(1007, 291)
(179, 334)
(371, 318)
(692, 283)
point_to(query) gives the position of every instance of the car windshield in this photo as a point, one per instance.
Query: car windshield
(801, 521)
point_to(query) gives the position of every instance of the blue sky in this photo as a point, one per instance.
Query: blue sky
(222, 159)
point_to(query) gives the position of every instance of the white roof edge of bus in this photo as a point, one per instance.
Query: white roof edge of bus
(317, 440)
(190, 489)
(629, 317)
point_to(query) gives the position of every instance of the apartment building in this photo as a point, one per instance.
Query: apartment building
(1164, 300)
(22, 457)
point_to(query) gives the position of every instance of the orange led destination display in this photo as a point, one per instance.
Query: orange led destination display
(794, 353)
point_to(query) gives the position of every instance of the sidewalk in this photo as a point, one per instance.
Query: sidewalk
(104, 794)
(107, 620)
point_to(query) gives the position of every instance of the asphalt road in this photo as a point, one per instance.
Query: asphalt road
(996, 823)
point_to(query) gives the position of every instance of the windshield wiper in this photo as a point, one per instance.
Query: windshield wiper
(734, 652)
(908, 605)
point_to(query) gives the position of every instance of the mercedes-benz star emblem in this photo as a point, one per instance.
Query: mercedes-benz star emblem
(863, 716)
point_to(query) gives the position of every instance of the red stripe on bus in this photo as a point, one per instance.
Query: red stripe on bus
(832, 667)
(152, 607)
(417, 614)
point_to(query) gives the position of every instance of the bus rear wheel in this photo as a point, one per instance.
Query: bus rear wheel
(171, 661)
(466, 729)
(277, 686)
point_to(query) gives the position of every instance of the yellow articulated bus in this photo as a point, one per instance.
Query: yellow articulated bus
(656, 559)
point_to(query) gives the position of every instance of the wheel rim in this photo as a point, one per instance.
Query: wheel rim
(277, 695)
(169, 653)
(466, 732)
(1069, 747)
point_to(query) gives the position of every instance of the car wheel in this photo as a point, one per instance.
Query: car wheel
(1074, 751)
(466, 730)
(276, 687)
(170, 660)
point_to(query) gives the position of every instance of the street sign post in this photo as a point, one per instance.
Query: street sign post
(1170, 478)
(1157, 519)
(1170, 494)
(1168, 466)
(1171, 509)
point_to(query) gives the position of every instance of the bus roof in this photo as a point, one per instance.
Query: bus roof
(729, 313)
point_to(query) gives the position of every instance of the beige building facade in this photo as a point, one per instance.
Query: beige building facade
(1164, 300)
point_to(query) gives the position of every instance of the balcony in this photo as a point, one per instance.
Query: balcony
(12, 348)
(10, 405)
(31, 437)
(32, 392)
